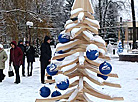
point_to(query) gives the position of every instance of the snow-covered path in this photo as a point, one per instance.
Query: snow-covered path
(28, 89)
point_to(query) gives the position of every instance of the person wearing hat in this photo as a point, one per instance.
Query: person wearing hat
(3, 58)
(16, 57)
(45, 57)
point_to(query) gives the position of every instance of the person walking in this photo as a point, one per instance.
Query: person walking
(20, 44)
(16, 56)
(45, 57)
(3, 58)
(30, 53)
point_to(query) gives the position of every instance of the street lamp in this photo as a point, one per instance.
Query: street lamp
(29, 25)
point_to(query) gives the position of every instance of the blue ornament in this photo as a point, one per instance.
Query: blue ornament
(45, 91)
(92, 54)
(102, 76)
(60, 52)
(52, 69)
(55, 94)
(63, 85)
(63, 38)
(105, 68)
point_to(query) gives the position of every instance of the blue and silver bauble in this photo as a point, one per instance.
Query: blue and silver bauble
(63, 85)
(52, 69)
(45, 92)
(92, 52)
(63, 38)
(55, 94)
(105, 68)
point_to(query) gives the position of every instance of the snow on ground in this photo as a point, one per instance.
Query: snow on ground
(28, 89)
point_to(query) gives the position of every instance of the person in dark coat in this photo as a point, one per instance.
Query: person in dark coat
(20, 44)
(30, 53)
(16, 56)
(45, 57)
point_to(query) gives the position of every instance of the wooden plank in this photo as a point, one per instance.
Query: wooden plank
(79, 32)
(112, 84)
(100, 95)
(49, 81)
(74, 83)
(90, 90)
(81, 25)
(75, 61)
(73, 96)
(87, 98)
(70, 45)
(85, 4)
(92, 62)
(84, 72)
(71, 70)
(68, 53)
(85, 21)
(74, 74)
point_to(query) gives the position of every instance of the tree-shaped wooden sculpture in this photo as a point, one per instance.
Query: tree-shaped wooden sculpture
(81, 39)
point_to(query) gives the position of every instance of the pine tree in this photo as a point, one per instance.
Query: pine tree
(80, 51)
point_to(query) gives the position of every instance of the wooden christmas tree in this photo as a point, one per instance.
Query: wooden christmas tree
(81, 39)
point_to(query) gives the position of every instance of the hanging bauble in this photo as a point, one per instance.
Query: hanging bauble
(92, 52)
(52, 69)
(102, 76)
(63, 85)
(105, 68)
(45, 91)
(63, 38)
(62, 81)
(55, 94)
(60, 52)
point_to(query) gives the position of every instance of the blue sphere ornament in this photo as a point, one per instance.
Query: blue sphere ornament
(63, 85)
(45, 91)
(102, 76)
(55, 94)
(92, 54)
(105, 68)
(52, 69)
(60, 52)
(63, 38)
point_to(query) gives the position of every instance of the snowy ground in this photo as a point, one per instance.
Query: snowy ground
(28, 89)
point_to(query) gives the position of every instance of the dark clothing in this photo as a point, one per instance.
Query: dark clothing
(16, 55)
(30, 53)
(16, 68)
(1, 75)
(24, 52)
(28, 68)
(45, 51)
(45, 57)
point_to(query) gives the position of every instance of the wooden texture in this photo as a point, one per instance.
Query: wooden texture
(85, 4)
(81, 25)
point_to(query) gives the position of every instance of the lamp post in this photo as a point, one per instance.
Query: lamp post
(29, 25)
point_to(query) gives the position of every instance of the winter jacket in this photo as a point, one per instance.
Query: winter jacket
(16, 55)
(30, 53)
(22, 47)
(45, 51)
(3, 58)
